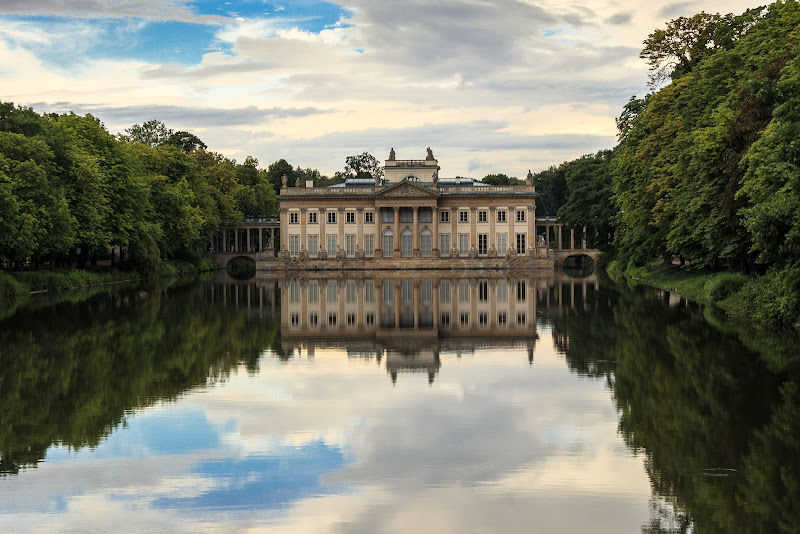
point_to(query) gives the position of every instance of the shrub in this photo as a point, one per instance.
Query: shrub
(11, 286)
(724, 285)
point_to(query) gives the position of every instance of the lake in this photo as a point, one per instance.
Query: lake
(394, 402)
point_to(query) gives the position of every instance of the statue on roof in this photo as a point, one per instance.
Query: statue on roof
(297, 182)
(529, 179)
(391, 154)
(284, 180)
(436, 177)
(430, 154)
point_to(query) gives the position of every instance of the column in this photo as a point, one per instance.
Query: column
(225, 240)
(303, 240)
(547, 227)
(247, 230)
(415, 299)
(284, 235)
(571, 239)
(512, 236)
(396, 251)
(415, 246)
(260, 239)
(560, 242)
(532, 227)
(492, 235)
(360, 223)
(435, 229)
(340, 239)
(323, 240)
(454, 230)
(473, 227)
(583, 239)
(435, 301)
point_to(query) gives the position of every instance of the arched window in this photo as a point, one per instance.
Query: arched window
(406, 243)
(425, 243)
(388, 244)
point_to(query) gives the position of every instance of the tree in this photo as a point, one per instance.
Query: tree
(185, 141)
(277, 170)
(364, 165)
(151, 133)
(500, 179)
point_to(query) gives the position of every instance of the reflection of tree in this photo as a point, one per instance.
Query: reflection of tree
(69, 373)
(691, 398)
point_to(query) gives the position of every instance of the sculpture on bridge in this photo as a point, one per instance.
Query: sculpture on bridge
(540, 242)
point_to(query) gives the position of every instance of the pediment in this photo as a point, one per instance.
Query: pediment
(406, 190)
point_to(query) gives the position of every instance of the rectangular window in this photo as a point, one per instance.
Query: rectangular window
(444, 245)
(295, 319)
(369, 244)
(406, 215)
(294, 245)
(483, 240)
(501, 216)
(294, 217)
(406, 244)
(369, 291)
(483, 319)
(351, 319)
(369, 217)
(332, 291)
(463, 244)
(444, 216)
(313, 319)
(464, 318)
(425, 244)
(482, 216)
(294, 291)
(522, 291)
(331, 319)
(445, 319)
(350, 217)
(407, 291)
(350, 291)
(502, 318)
(502, 290)
(520, 243)
(463, 216)
(502, 244)
(313, 245)
(463, 291)
(425, 215)
(521, 318)
(313, 291)
(444, 292)
(388, 245)
(331, 245)
(387, 216)
(331, 217)
(483, 290)
(520, 215)
(425, 290)
(350, 244)
(312, 217)
(388, 291)
(369, 319)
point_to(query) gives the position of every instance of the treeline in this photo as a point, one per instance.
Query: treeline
(707, 169)
(70, 191)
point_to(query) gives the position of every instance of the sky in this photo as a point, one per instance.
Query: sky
(492, 86)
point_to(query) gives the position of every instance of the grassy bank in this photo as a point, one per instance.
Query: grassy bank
(26, 282)
(760, 299)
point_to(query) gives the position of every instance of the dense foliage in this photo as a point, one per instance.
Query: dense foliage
(68, 185)
(707, 169)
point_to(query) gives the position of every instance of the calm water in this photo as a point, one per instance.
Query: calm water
(394, 403)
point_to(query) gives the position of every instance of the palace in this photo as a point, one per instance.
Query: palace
(412, 217)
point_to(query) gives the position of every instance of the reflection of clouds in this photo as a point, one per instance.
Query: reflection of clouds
(493, 444)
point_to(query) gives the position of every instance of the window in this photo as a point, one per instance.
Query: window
(350, 244)
(425, 244)
(482, 216)
(463, 291)
(425, 215)
(501, 216)
(294, 245)
(444, 216)
(483, 319)
(502, 318)
(295, 319)
(406, 215)
(522, 291)
(463, 244)
(387, 215)
(445, 319)
(369, 217)
(464, 319)
(332, 291)
(313, 291)
(502, 244)
(313, 245)
(350, 217)
(369, 319)
(313, 319)
(444, 291)
(463, 216)
(388, 291)
(444, 244)
(520, 215)
(331, 319)
(294, 291)
(406, 244)
(369, 244)
(483, 290)
(350, 291)
(502, 290)
(312, 217)
(369, 291)
(407, 291)
(331, 217)
(520, 243)
(351, 319)
(331, 245)
(426, 289)
(294, 217)
(521, 318)
(482, 243)
(388, 244)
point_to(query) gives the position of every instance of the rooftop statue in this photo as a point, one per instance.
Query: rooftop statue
(284, 180)
(430, 154)
(391, 154)
(529, 179)
(435, 176)
(297, 182)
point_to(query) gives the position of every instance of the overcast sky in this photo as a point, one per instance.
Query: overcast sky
(492, 86)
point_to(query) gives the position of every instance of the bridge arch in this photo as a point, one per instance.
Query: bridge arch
(241, 266)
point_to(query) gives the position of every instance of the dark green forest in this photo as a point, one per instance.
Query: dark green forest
(707, 168)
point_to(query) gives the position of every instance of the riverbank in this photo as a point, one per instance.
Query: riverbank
(22, 283)
(757, 299)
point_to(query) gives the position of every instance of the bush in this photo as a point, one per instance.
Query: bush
(774, 298)
(11, 286)
(724, 285)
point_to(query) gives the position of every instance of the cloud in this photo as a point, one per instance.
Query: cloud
(619, 19)
(676, 9)
(179, 10)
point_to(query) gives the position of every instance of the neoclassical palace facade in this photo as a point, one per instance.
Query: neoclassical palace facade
(410, 214)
